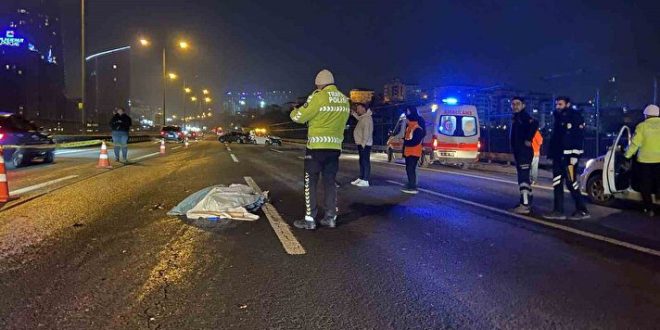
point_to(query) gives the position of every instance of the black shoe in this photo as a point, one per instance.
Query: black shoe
(579, 215)
(305, 224)
(329, 222)
(554, 215)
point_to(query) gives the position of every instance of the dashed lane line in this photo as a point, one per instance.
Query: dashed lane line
(234, 158)
(176, 148)
(278, 151)
(64, 152)
(578, 232)
(282, 230)
(146, 156)
(41, 185)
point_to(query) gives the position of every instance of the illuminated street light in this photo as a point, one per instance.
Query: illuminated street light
(172, 76)
(194, 98)
(183, 45)
(187, 90)
(144, 42)
(207, 99)
(205, 91)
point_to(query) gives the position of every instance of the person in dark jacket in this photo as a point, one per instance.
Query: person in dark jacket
(412, 147)
(566, 147)
(120, 125)
(523, 129)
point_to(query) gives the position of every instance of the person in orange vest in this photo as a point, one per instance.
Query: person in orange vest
(412, 147)
(537, 141)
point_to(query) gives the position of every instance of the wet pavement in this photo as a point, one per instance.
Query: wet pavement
(98, 251)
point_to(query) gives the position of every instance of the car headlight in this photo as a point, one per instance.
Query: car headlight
(590, 162)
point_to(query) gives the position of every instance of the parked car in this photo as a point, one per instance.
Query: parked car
(605, 179)
(238, 137)
(172, 133)
(274, 140)
(24, 141)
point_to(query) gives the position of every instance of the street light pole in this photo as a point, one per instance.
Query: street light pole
(164, 84)
(597, 121)
(184, 103)
(82, 65)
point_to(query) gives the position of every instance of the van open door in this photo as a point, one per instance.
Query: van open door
(615, 178)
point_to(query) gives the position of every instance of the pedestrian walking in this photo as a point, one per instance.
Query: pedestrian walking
(412, 147)
(523, 129)
(120, 124)
(566, 147)
(646, 144)
(326, 112)
(537, 142)
(364, 139)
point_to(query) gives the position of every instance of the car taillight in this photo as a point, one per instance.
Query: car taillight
(479, 145)
(435, 141)
(162, 133)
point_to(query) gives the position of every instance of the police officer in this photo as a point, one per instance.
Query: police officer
(646, 144)
(326, 113)
(566, 147)
(523, 129)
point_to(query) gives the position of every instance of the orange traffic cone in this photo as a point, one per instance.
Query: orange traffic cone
(185, 143)
(4, 186)
(104, 162)
(162, 146)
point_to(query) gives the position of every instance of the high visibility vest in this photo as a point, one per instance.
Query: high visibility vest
(536, 143)
(415, 151)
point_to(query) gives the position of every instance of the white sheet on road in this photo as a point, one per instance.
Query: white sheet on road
(234, 202)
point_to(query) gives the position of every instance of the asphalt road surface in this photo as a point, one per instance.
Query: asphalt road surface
(86, 248)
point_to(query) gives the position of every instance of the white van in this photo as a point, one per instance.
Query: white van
(452, 135)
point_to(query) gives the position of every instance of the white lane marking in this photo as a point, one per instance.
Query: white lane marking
(64, 151)
(541, 222)
(41, 185)
(301, 157)
(234, 158)
(146, 156)
(228, 149)
(282, 230)
(176, 148)
(278, 151)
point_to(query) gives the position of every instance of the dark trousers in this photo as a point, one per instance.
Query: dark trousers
(565, 169)
(523, 168)
(120, 140)
(411, 170)
(365, 162)
(650, 183)
(325, 163)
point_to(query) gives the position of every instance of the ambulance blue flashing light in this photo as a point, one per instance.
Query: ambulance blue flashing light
(450, 101)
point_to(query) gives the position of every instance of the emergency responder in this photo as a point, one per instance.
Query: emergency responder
(326, 112)
(646, 144)
(413, 147)
(566, 147)
(523, 129)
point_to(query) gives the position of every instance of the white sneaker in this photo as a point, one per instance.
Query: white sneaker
(356, 182)
(362, 183)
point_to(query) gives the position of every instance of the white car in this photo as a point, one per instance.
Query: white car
(604, 179)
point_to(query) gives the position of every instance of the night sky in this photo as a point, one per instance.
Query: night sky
(264, 45)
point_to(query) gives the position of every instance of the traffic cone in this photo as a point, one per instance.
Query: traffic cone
(104, 162)
(4, 185)
(162, 146)
(185, 143)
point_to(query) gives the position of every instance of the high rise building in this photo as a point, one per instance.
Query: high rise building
(397, 91)
(361, 95)
(31, 61)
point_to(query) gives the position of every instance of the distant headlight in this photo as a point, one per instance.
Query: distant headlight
(590, 162)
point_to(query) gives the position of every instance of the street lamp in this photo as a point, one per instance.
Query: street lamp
(182, 45)
(207, 99)
(187, 90)
(172, 76)
(205, 91)
(194, 98)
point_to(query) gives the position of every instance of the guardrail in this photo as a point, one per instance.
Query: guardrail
(488, 157)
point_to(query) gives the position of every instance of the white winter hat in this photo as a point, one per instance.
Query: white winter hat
(652, 110)
(324, 77)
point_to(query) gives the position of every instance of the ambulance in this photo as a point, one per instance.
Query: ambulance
(452, 135)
